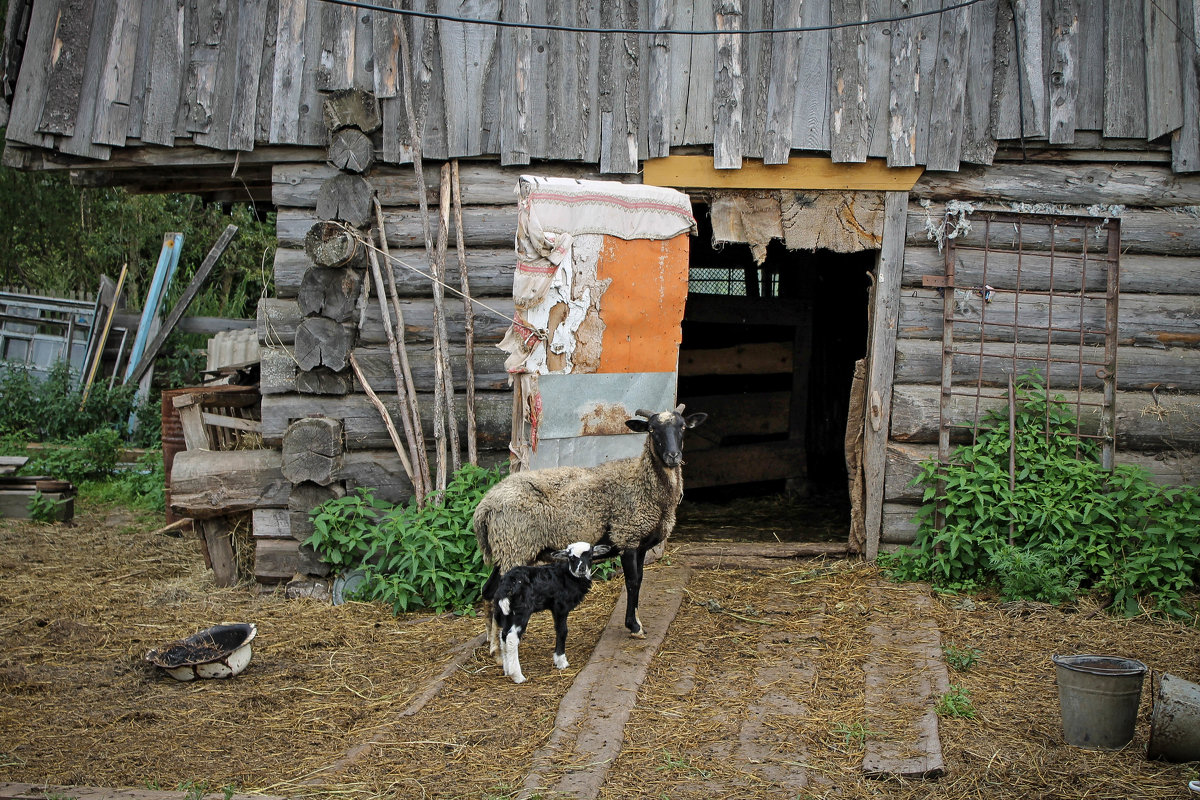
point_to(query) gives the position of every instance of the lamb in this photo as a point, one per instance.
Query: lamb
(628, 505)
(558, 588)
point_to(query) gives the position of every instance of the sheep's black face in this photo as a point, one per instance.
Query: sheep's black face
(666, 432)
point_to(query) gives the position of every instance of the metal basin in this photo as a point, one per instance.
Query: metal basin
(221, 651)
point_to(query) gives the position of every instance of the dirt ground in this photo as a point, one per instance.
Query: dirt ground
(778, 654)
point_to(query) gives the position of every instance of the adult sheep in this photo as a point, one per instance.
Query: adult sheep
(628, 505)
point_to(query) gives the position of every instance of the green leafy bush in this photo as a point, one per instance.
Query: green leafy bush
(413, 557)
(1075, 526)
(90, 457)
(52, 409)
(142, 486)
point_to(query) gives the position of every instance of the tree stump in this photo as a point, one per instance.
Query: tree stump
(330, 245)
(322, 342)
(323, 380)
(346, 197)
(303, 499)
(330, 293)
(355, 107)
(351, 150)
(312, 450)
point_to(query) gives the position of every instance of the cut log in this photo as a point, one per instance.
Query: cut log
(321, 380)
(347, 198)
(1143, 422)
(1126, 184)
(329, 244)
(312, 450)
(278, 321)
(278, 560)
(352, 107)
(322, 342)
(331, 293)
(483, 226)
(491, 272)
(1169, 468)
(365, 430)
(218, 542)
(351, 150)
(920, 361)
(305, 497)
(207, 483)
(279, 374)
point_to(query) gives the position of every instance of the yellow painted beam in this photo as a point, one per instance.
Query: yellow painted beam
(799, 173)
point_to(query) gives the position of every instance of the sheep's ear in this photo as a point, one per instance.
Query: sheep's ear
(559, 555)
(639, 425)
(600, 550)
(692, 420)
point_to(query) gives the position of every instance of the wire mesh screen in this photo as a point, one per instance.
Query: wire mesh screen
(1029, 293)
(717, 280)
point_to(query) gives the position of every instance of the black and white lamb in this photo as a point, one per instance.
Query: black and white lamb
(521, 592)
(628, 505)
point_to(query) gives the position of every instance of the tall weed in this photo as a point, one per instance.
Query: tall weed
(413, 557)
(1075, 526)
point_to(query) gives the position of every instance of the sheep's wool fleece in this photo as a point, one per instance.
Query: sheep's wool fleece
(549, 509)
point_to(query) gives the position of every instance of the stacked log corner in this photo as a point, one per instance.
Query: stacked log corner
(1158, 349)
(309, 393)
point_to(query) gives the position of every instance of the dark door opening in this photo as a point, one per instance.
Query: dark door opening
(768, 352)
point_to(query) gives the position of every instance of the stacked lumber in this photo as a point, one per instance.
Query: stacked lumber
(16, 494)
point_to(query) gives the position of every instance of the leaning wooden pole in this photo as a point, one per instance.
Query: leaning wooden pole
(420, 487)
(468, 314)
(439, 318)
(387, 419)
(420, 459)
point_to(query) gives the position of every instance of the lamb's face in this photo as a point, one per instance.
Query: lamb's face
(579, 560)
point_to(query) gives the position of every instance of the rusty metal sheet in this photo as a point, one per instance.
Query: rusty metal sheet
(598, 404)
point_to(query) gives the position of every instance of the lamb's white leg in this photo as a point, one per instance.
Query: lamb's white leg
(512, 656)
(561, 661)
(502, 654)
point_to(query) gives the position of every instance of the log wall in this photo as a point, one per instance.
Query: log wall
(368, 458)
(1158, 354)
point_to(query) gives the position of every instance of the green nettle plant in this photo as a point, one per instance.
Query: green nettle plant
(412, 557)
(1075, 526)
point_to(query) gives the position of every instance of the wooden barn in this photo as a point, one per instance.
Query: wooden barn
(899, 205)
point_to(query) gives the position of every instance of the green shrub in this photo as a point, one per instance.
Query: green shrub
(1075, 526)
(92, 456)
(413, 557)
(52, 409)
(143, 486)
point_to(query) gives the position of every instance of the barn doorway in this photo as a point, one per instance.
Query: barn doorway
(768, 351)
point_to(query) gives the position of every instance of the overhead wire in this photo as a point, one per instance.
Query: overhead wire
(542, 26)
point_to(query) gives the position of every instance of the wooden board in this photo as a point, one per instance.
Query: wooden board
(1080, 185)
(483, 226)
(278, 321)
(798, 173)
(490, 271)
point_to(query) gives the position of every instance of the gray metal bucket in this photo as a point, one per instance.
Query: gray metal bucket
(1175, 721)
(1099, 698)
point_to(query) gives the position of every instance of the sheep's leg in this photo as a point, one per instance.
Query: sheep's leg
(560, 639)
(512, 657)
(632, 562)
(494, 635)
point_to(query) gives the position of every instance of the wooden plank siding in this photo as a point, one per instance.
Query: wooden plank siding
(934, 90)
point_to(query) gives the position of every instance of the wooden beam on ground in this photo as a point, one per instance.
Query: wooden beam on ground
(185, 300)
(798, 173)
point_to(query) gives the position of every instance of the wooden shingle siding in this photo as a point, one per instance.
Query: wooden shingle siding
(1164, 112)
(849, 115)
(1124, 69)
(933, 90)
(1185, 144)
(1063, 67)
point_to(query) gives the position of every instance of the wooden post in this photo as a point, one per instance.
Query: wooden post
(444, 376)
(387, 418)
(468, 314)
(885, 313)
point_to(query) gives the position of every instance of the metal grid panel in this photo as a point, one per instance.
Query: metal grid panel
(1030, 291)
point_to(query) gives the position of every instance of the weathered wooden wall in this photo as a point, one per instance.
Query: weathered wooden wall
(935, 90)
(1159, 322)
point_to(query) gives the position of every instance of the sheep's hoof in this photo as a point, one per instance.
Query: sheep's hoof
(640, 633)
(560, 661)
(518, 678)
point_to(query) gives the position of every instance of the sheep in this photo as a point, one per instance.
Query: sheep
(558, 588)
(628, 505)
